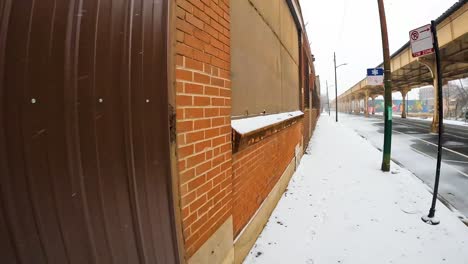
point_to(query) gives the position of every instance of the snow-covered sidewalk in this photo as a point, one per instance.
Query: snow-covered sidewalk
(340, 208)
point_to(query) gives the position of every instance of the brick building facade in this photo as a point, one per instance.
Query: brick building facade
(203, 108)
(150, 131)
(227, 185)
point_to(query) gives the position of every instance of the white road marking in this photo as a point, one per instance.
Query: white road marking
(425, 141)
(456, 161)
(448, 165)
(424, 127)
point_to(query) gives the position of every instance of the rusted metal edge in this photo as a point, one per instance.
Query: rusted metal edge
(242, 141)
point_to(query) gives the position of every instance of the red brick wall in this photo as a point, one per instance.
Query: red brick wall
(314, 116)
(306, 134)
(203, 103)
(257, 169)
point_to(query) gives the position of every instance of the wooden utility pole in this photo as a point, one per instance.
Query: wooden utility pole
(387, 147)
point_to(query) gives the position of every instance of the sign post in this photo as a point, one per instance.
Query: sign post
(423, 42)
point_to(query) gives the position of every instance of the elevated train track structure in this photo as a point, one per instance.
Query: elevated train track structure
(409, 72)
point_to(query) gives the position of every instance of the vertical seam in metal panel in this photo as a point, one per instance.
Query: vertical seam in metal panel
(127, 119)
(154, 39)
(157, 207)
(6, 7)
(166, 47)
(21, 114)
(55, 207)
(9, 227)
(54, 186)
(145, 151)
(4, 21)
(3, 36)
(72, 126)
(52, 28)
(96, 147)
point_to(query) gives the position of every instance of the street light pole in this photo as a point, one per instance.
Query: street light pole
(430, 218)
(388, 90)
(336, 88)
(328, 100)
(336, 84)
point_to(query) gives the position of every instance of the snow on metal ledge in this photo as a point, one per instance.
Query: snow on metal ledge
(248, 125)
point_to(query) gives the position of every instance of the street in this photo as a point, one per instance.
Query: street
(414, 147)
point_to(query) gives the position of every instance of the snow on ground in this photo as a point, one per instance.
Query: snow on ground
(455, 122)
(429, 119)
(417, 154)
(250, 124)
(446, 121)
(340, 208)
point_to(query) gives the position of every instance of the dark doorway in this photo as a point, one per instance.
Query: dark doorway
(84, 135)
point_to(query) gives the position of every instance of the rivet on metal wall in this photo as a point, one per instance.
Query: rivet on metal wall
(100, 100)
(147, 100)
(33, 100)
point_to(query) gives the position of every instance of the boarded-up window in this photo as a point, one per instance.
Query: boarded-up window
(265, 57)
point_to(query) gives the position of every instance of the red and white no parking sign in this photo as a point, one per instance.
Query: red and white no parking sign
(414, 35)
(422, 41)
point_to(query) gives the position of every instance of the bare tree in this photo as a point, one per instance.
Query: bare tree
(461, 91)
(446, 90)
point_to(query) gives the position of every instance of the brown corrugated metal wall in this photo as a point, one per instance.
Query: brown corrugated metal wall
(84, 139)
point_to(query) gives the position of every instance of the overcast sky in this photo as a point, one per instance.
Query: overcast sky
(351, 28)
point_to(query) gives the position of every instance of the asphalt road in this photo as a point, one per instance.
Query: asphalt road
(415, 148)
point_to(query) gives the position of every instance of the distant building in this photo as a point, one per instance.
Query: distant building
(426, 93)
(450, 94)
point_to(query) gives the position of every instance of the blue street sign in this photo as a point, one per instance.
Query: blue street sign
(375, 72)
(375, 76)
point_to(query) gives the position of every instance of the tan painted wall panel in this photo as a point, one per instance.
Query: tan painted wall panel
(264, 75)
(289, 82)
(256, 75)
(270, 10)
(289, 36)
